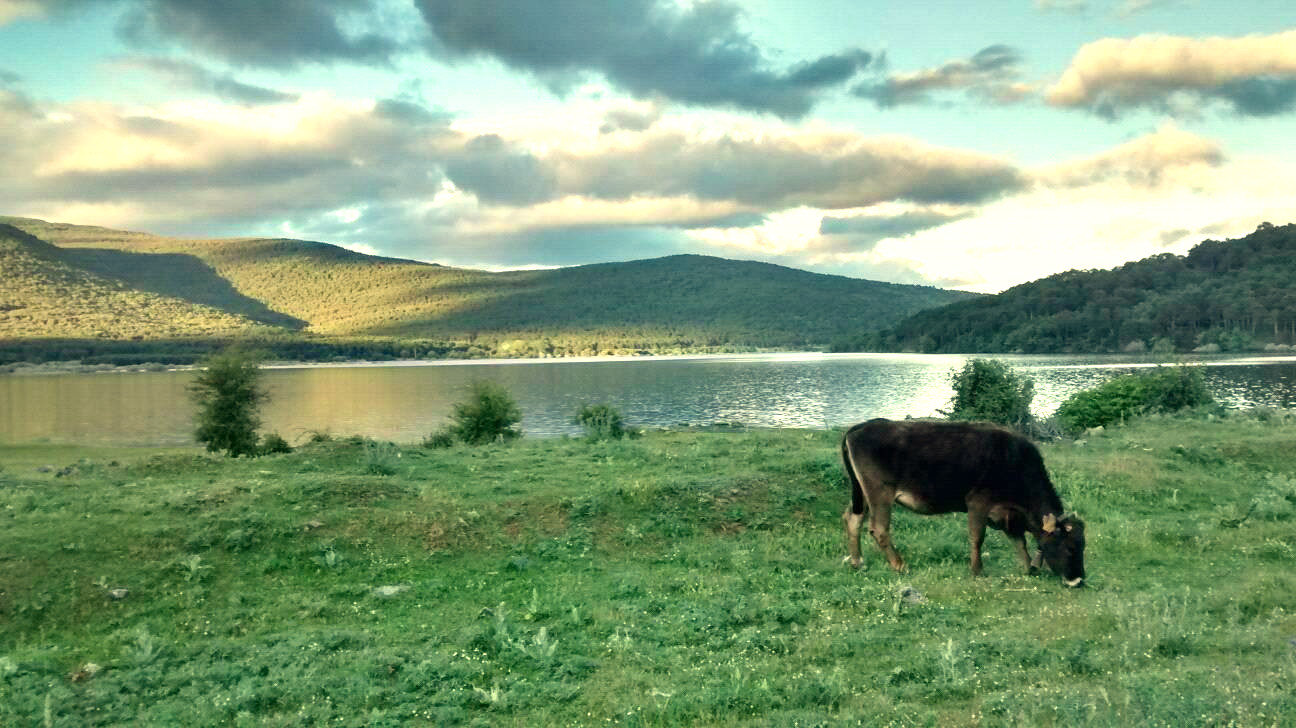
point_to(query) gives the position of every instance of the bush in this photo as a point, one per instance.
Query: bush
(439, 439)
(601, 422)
(1165, 389)
(228, 392)
(381, 458)
(489, 414)
(274, 443)
(988, 389)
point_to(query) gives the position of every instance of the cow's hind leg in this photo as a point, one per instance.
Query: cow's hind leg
(880, 528)
(852, 522)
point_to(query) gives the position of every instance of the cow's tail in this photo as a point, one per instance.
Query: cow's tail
(857, 491)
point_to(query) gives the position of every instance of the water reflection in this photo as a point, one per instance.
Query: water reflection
(405, 401)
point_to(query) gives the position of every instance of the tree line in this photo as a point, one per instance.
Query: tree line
(1232, 295)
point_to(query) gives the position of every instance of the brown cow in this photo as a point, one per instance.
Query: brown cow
(996, 476)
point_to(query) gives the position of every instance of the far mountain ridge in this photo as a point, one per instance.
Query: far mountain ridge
(295, 288)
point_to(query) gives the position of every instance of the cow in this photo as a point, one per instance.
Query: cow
(994, 475)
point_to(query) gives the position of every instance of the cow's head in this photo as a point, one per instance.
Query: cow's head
(1062, 542)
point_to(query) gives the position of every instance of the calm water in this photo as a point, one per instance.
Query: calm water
(403, 402)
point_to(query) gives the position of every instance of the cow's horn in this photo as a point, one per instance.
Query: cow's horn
(1050, 523)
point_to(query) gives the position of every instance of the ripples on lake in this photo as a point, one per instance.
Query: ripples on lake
(405, 401)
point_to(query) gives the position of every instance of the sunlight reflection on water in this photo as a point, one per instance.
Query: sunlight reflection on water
(403, 401)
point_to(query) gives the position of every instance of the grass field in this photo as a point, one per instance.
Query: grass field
(676, 579)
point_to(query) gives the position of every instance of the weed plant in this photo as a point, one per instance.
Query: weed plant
(681, 578)
(601, 422)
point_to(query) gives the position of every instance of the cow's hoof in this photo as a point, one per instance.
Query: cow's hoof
(853, 564)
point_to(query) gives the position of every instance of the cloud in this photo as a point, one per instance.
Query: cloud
(202, 164)
(631, 118)
(195, 77)
(1168, 155)
(781, 171)
(1067, 6)
(863, 232)
(1255, 75)
(694, 54)
(278, 33)
(991, 73)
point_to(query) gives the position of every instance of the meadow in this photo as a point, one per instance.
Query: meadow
(680, 578)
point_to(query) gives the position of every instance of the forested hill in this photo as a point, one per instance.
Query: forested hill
(1230, 295)
(293, 290)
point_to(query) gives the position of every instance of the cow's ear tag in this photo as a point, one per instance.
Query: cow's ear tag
(1050, 523)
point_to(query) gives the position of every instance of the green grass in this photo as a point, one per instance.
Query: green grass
(680, 578)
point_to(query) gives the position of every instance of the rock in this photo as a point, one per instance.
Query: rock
(910, 595)
(119, 593)
(387, 592)
(86, 672)
(312, 525)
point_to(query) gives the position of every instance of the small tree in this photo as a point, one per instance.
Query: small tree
(228, 393)
(487, 415)
(988, 389)
(601, 422)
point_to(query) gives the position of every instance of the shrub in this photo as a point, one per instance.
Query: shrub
(489, 414)
(439, 439)
(601, 422)
(381, 458)
(1165, 389)
(228, 392)
(988, 389)
(274, 443)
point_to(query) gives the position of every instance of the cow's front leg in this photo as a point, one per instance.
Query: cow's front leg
(976, 536)
(1019, 544)
(880, 528)
(852, 523)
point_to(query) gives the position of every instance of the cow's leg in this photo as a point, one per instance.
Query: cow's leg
(880, 528)
(852, 521)
(1019, 544)
(976, 536)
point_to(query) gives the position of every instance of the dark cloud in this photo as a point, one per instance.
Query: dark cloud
(1260, 96)
(991, 72)
(1170, 237)
(270, 33)
(695, 55)
(863, 232)
(410, 112)
(281, 33)
(193, 76)
(630, 119)
(499, 172)
(9, 79)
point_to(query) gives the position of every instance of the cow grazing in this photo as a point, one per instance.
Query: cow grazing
(996, 476)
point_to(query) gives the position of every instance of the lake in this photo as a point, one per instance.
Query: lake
(403, 401)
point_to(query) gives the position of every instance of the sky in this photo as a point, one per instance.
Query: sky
(969, 144)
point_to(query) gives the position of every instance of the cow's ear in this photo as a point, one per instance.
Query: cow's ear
(1050, 523)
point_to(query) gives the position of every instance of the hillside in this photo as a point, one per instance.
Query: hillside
(47, 293)
(294, 287)
(1228, 295)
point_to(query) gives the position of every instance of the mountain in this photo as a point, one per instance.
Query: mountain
(46, 292)
(294, 290)
(1228, 295)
